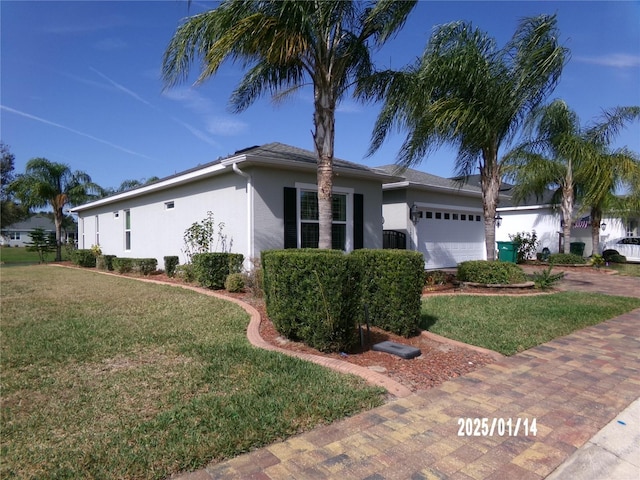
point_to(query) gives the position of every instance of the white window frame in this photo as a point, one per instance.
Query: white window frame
(311, 187)
(97, 225)
(127, 230)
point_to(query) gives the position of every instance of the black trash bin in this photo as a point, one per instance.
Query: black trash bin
(577, 248)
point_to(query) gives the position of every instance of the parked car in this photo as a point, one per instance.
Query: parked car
(627, 246)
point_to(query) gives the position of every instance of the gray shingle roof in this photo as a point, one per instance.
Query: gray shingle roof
(36, 221)
(424, 179)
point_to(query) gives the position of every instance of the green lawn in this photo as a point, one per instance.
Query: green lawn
(20, 256)
(629, 269)
(512, 324)
(107, 377)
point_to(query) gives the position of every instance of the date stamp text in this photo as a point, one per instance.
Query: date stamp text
(502, 427)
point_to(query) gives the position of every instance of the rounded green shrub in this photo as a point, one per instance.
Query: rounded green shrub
(566, 259)
(105, 262)
(170, 264)
(491, 273)
(234, 283)
(84, 258)
(613, 256)
(211, 269)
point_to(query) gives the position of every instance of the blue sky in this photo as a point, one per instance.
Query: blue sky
(81, 84)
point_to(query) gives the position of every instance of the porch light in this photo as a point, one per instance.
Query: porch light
(414, 214)
(603, 226)
(498, 220)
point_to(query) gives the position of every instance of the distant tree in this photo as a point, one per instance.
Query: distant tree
(466, 92)
(41, 242)
(47, 183)
(128, 185)
(286, 44)
(10, 211)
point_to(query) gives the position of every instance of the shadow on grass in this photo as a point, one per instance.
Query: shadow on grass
(427, 321)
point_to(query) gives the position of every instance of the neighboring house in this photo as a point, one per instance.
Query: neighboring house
(266, 197)
(439, 217)
(19, 234)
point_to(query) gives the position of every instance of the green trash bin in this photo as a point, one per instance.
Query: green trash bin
(577, 248)
(508, 252)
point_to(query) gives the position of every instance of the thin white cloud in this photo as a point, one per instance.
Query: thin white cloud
(110, 44)
(72, 130)
(122, 88)
(615, 60)
(216, 124)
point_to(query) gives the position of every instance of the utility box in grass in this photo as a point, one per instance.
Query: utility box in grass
(508, 252)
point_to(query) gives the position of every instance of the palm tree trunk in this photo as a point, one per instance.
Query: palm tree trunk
(490, 181)
(567, 215)
(324, 137)
(58, 215)
(596, 220)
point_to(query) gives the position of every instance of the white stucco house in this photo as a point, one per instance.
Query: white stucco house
(266, 196)
(436, 216)
(541, 215)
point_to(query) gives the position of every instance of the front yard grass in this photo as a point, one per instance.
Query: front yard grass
(512, 324)
(106, 377)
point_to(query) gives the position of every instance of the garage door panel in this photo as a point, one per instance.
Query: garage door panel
(445, 243)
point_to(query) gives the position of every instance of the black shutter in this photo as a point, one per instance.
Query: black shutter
(358, 221)
(290, 218)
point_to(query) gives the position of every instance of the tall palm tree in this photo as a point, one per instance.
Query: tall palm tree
(286, 43)
(47, 183)
(549, 159)
(578, 163)
(466, 92)
(609, 171)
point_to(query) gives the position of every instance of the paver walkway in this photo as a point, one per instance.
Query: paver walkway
(572, 386)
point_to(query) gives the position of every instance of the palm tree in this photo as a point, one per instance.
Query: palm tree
(466, 92)
(286, 43)
(54, 184)
(578, 163)
(549, 161)
(609, 171)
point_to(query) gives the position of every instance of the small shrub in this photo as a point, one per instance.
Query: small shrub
(527, 245)
(491, 273)
(186, 272)
(234, 283)
(436, 277)
(96, 250)
(545, 280)
(105, 262)
(170, 264)
(597, 260)
(123, 264)
(566, 259)
(211, 269)
(146, 266)
(84, 258)
(613, 256)
(254, 279)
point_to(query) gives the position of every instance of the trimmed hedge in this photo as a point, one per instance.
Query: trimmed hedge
(566, 259)
(212, 269)
(310, 297)
(170, 264)
(234, 283)
(390, 283)
(84, 258)
(105, 262)
(145, 266)
(613, 256)
(123, 264)
(491, 273)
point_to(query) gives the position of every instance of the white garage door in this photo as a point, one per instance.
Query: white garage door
(448, 237)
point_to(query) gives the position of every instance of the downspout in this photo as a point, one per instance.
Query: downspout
(237, 170)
